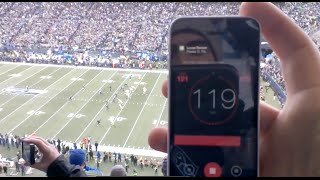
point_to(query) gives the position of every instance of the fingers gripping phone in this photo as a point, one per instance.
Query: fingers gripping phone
(30, 153)
(213, 97)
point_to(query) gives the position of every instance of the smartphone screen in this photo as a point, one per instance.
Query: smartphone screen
(28, 153)
(213, 97)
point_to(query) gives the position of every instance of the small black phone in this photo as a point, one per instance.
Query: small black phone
(213, 97)
(29, 153)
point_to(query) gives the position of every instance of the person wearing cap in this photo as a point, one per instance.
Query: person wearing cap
(77, 157)
(54, 164)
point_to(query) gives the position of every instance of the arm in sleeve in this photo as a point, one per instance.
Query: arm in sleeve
(61, 167)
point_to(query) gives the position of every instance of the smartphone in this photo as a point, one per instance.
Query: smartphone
(213, 97)
(29, 153)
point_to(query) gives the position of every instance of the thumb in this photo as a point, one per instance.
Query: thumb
(268, 114)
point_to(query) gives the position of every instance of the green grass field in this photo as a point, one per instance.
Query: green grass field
(51, 114)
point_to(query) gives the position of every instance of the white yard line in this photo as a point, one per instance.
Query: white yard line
(82, 106)
(134, 125)
(20, 73)
(122, 108)
(103, 106)
(42, 105)
(164, 105)
(22, 79)
(164, 71)
(159, 119)
(60, 108)
(10, 70)
(30, 86)
(32, 99)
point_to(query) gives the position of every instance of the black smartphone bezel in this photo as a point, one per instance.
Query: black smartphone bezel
(31, 159)
(170, 64)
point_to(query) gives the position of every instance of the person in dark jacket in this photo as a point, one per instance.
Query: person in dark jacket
(54, 164)
(164, 166)
(91, 155)
(5, 170)
(17, 166)
(96, 145)
(98, 156)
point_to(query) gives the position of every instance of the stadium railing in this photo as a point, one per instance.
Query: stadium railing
(276, 87)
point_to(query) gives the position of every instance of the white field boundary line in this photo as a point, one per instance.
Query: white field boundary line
(19, 73)
(41, 105)
(14, 67)
(135, 123)
(61, 107)
(121, 150)
(33, 97)
(30, 86)
(107, 92)
(84, 105)
(122, 109)
(23, 79)
(159, 119)
(103, 106)
(164, 71)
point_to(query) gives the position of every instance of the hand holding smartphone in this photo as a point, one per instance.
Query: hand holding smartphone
(30, 153)
(213, 97)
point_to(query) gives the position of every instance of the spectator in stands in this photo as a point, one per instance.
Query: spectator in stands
(98, 156)
(77, 157)
(18, 155)
(156, 170)
(23, 169)
(118, 171)
(96, 145)
(67, 149)
(289, 138)
(132, 159)
(164, 166)
(126, 165)
(87, 155)
(5, 169)
(91, 155)
(16, 163)
(52, 162)
(98, 164)
(105, 156)
(119, 157)
(1, 167)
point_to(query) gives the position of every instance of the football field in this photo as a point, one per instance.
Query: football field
(65, 102)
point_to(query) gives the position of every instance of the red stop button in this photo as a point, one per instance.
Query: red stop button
(212, 169)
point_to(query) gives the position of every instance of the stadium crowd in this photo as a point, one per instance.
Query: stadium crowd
(92, 33)
(271, 65)
(84, 152)
(38, 31)
(116, 26)
(31, 28)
